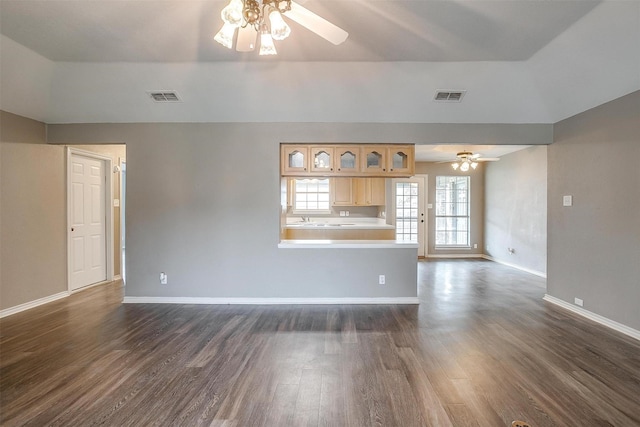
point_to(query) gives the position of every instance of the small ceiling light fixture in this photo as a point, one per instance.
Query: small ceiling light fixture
(465, 159)
(250, 16)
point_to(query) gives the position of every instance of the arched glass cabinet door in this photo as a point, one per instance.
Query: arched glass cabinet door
(401, 160)
(374, 160)
(322, 159)
(347, 159)
(295, 159)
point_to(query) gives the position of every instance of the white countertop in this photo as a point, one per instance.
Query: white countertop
(339, 223)
(347, 244)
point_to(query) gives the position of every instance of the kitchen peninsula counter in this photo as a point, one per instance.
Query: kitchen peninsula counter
(346, 244)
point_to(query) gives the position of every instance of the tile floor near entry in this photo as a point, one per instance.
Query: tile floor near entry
(481, 349)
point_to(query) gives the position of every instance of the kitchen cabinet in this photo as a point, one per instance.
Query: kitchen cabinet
(306, 160)
(374, 159)
(358, 192)
(341, 191)
(401, 160)
(294, 159)
(321, 159)
(369, 191)
(349, 160)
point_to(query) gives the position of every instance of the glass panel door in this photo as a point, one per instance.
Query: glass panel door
(410, 212)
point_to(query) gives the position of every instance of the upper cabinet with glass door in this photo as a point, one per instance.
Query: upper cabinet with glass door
(321, 159)
(347, 160)
(294, 160)
(306, 160)
(401, 161)
(381, 160)
(374, 160)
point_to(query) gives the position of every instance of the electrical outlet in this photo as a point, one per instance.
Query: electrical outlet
(475, 246)
(346, 213)
(578, 301)
(163, 278)
(381, 279)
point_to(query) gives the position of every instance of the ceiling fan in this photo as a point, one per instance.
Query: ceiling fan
(468, 159)
(250, 18)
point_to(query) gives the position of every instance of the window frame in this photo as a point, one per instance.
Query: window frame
(296, 211)
(467, 216)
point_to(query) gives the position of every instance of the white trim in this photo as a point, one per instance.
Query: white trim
(633, 333)
(92, 285)
(269, 301)
(117, 277)
(108, 206)
(454, 256)
(518, 267)
(32, 304)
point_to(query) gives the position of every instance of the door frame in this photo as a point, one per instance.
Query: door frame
(108, 196)
(424, 208)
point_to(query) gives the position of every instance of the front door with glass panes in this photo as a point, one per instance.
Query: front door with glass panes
(410, 213)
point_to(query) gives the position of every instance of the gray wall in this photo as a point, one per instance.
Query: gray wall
(516, 209)
(32, 213)
(594, 246)
(476, 206)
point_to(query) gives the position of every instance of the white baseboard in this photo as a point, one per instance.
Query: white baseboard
(269, 301)
(518, 267)
(633, 333)
(454, 256)
(32, 304)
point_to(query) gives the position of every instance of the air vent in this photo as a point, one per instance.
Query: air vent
(449, 95)
(164, 96)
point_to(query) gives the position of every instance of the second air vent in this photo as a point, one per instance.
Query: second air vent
(164, 96)
(449, 95)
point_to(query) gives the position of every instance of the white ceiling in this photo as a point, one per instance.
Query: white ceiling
(390, 30)
(520, 61)
(447, 152)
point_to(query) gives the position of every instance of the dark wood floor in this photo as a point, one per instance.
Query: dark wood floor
(481, 349)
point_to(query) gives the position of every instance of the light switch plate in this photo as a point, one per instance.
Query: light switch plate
(116, 203)
(430, 206)
(567, 200)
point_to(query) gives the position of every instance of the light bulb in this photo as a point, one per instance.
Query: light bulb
(232, 13)
(279, 29)
(225, 35)
(455, 166)
(464, 167)
(266, 42)
(474, 165)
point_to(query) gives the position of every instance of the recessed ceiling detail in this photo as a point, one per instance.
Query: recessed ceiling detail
(164, 96)
(449, 95)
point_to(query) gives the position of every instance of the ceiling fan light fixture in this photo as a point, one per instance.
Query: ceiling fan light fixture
(455, 166)
(279, 29)
(464, 166)
(474, 165)
(266, 42)
(232, 13)
(225, 35)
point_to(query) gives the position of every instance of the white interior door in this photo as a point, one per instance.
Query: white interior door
(410, 210)
(88, 221)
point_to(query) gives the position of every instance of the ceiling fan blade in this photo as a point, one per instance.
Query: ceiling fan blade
(246, 39)
(318, 25)
(487, 159)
